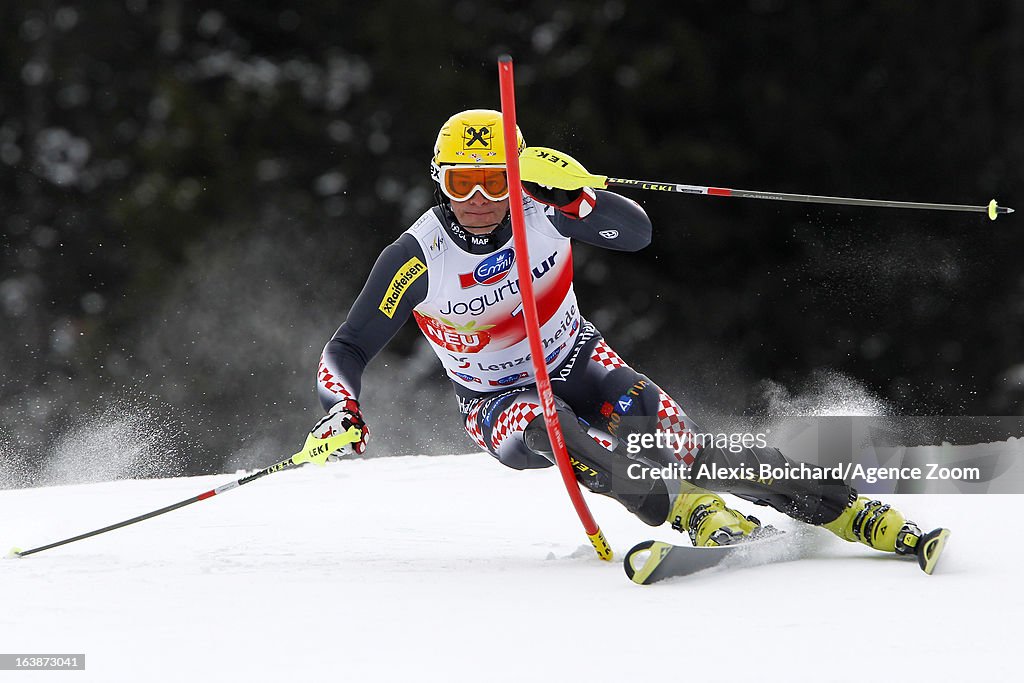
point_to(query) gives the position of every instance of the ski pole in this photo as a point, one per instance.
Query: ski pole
(315, 450)
(571, 172)
(992, 208)
(506, 82)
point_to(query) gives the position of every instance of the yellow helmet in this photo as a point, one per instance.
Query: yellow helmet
(473, 137)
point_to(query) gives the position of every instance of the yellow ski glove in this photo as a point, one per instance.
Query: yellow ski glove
(556, 179)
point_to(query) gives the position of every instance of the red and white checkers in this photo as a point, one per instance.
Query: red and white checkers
(329, 382)
(512, 420)
(604, 355)
(604, 441)
(473, 426)
(672, 419)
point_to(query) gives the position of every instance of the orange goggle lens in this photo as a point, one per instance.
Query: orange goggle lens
(460, 183)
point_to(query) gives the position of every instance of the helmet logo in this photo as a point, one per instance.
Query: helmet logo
(476, 136)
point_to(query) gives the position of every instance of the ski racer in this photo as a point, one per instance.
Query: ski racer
(453, 272)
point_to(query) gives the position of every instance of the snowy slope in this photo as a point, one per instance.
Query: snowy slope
(454, 568)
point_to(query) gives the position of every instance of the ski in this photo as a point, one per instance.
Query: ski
(931, 546)
(652, 561)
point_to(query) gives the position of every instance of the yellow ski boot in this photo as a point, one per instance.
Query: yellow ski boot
(704, 516)
(882, 527)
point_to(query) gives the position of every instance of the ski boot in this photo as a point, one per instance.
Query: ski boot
(704, 516)
(883, 528)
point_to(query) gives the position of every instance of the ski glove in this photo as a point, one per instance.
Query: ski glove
(575, 204)
(556, 179)
(341, 416)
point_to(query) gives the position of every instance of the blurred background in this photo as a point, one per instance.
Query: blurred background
(191, 194)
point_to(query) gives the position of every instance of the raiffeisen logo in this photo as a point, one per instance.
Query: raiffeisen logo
(490, 271)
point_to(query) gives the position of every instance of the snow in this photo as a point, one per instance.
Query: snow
(453, 568)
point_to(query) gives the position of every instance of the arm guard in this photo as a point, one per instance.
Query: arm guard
(615, 223)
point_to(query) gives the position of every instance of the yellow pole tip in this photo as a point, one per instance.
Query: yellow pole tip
(600, 543)
(993, 209)
(14, 552)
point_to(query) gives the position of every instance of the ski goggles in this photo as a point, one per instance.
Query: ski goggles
(459, 182)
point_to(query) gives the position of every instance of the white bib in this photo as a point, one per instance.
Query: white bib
(473, 314)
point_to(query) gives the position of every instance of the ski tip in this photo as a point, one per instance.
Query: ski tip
(13, 553)
(642, 559)
(932, 544)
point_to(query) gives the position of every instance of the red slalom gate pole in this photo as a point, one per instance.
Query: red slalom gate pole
(547, 396)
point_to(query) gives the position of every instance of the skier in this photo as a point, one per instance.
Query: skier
(453, 271)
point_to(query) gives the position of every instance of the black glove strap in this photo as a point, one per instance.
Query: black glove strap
(552, 196)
